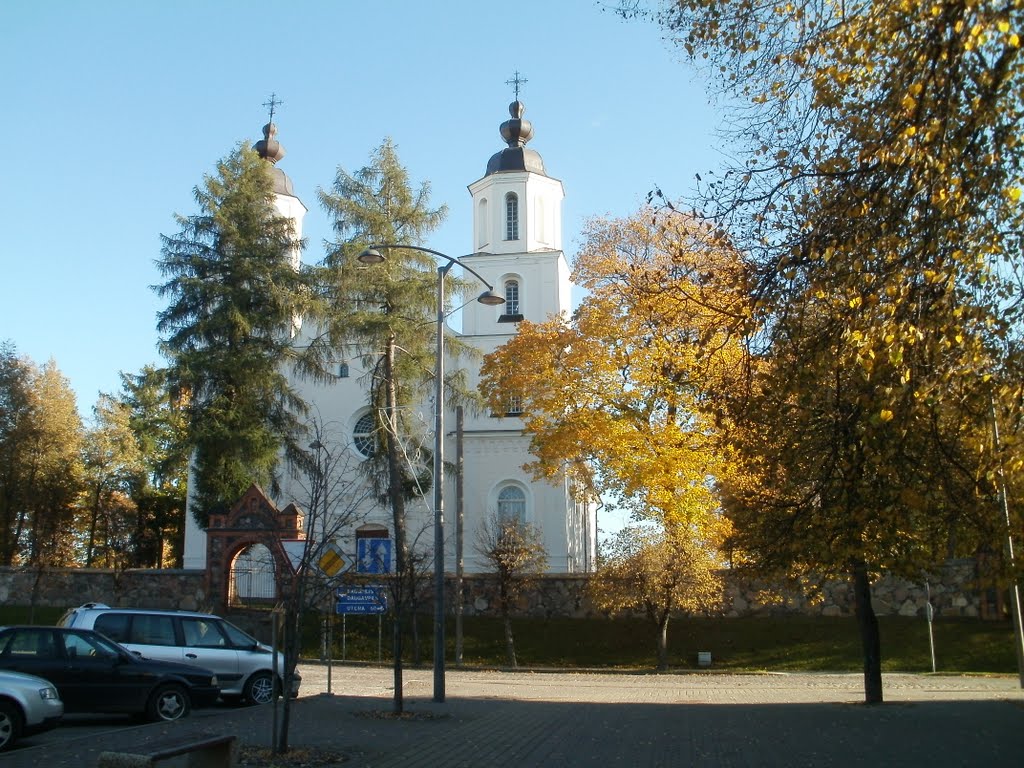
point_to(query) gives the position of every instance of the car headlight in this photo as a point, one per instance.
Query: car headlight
(48, 693)
(213, 680)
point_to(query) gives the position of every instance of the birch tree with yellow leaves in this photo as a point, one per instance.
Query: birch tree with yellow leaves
(876, 195)
(622, 395)
(657, 572)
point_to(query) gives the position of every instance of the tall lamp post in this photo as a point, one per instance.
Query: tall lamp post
(373, 256)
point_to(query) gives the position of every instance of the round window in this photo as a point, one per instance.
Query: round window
(364, 435)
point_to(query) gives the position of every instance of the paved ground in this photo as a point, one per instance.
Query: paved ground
(577, 719)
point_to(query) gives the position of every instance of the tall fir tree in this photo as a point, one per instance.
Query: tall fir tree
(385, 312)
(234, 293)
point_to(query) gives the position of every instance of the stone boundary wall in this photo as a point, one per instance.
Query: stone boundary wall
(70, 587)
(953, 593)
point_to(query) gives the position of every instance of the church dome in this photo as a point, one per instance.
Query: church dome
(282, 184)
(270, 149)
(516, 156)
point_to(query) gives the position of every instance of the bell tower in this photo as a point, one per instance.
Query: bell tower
(517, 234)
(517, 248)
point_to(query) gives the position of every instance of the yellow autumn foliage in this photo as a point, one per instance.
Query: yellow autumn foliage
(624, 393)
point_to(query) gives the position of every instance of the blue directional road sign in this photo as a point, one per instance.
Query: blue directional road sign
(361, 600)
(373, 556)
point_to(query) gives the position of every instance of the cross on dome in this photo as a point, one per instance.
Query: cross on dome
(515, 82)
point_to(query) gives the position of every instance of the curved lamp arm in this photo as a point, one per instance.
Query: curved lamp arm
(373, 256)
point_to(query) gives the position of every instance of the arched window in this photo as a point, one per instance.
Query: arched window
(511, 306)
(512, 504)
(511, 216)
(364, 435)
(342, 370)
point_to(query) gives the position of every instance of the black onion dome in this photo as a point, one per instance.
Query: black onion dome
(516, 157)
(270, 149)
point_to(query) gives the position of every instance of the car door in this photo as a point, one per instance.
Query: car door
(152, 635)
(33, 650)
(207, 646)
(98, 677)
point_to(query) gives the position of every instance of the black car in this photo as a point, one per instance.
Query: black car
(94, 674)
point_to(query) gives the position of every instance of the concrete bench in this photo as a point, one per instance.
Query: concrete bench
(200, 750)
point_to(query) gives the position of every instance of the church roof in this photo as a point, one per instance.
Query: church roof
(516, 156)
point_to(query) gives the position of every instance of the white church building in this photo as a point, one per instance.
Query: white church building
(517, 248)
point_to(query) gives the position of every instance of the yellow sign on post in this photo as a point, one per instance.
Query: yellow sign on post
(332, 561)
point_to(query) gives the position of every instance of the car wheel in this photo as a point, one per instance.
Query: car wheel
(10, 724)
(259, 689)
(168, 702)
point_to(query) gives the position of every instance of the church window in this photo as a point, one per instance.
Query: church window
(512, 504)
(511, 216)
(342, 370)
(364, 435)
(511, 306)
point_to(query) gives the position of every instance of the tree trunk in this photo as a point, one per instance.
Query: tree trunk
(93, 515)
(398, 518)
(869, 635)
(417, 658)
(291, 634)
(510, 643)
(398, 701)
(663, 644)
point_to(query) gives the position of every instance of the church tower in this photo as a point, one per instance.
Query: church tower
(286, 201)
(517, 244)
(517, 235)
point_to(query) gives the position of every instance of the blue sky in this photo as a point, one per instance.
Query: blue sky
(114, 111)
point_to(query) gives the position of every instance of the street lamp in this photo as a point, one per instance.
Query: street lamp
(373, 256)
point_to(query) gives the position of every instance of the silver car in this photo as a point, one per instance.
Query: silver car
(242, 664)
(28, 705)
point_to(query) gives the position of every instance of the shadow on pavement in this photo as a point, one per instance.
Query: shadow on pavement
(495, 732)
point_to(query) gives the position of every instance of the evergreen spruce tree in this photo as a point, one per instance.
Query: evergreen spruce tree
(234, 295)
(386, 312)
